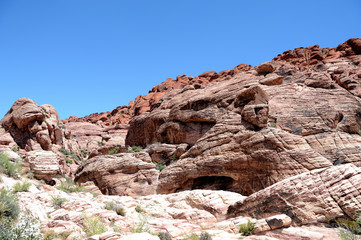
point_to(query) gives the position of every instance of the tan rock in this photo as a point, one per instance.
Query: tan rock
(165, 153)
(29, 124)
(44, 164)
(320, 195)
(120, 174)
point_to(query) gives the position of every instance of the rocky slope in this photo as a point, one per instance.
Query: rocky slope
(143, 103)
(278, 145)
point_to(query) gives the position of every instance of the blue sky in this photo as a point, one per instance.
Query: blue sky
(86, 56)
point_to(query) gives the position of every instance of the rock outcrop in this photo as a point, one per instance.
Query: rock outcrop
(121, 174)
(144, 103)
(43, 164)
(241, 133)
(321, 195)
(33, 127)
(263, 128)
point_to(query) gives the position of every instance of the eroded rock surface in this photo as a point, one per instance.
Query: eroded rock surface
(320, 195)
(130, 174)
(144, 103)
(31, 125)
(258, 127)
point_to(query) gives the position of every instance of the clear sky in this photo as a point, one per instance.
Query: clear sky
(86, 56)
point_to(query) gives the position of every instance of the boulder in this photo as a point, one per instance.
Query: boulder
(165, 153)
(44, 164)
(27, 122)
(320, 195)
(121, 174)
(265, 68)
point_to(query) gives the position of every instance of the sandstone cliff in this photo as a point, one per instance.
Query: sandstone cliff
(278, 145)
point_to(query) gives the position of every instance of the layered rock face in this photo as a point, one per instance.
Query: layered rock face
(241, 133)
(272, 126)
(144, 103)
(316, 196)
(37, 135)
(43, 164)
(33, 127)
(122, 174)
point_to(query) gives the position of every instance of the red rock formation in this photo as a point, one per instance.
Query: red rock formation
(144, 103)
(259, 127)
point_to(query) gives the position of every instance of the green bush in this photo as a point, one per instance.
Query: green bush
(30, 175)
(142, 225)
(64, 151)
(51, 234)
(70, 186)
(69, 161)
(93, 225)
(84, 153)
(25, 229)
(15, 149)
(69, 153)
(349, 229)
(247, 229)
(137, 148)
(205, 236)
(21, 186)
(57, 201)
(118, 208)
(192, 236)
(138, 209)
(164, 236)
(114, 150)
(9, 168)
(160, 166)
(9, 207)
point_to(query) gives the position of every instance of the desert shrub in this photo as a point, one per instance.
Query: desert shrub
(15, 149)
(69, 161)
(114, 150)
(30, 175)
(70, 186)
(9, 168)
(192, 236)
(142, 225)
(205, 236)
(349, 229)
(69, 153)
(25, 229)
(84, 153)
(118, 208)
(9, 207)
(100, 144)
(160, 166)
(93, 225)
(51, 234)
(247, 229)
(164, 236)
(21, 186)
(138, 209)
(64, 151)
(57, 201)
(137, 148)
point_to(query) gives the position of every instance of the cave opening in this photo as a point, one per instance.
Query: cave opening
(213, 183)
